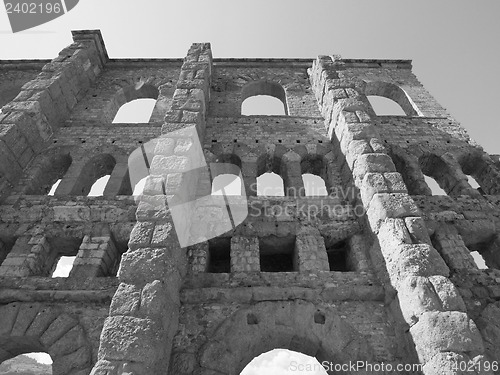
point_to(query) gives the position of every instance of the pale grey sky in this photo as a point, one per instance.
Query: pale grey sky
(453, 43)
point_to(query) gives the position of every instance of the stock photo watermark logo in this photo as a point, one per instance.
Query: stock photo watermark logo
(179, 184)
(26, 14)
(181, 158)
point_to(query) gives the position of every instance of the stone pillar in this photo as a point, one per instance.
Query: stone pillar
(452, 248)
(119, 180)
(245, 254)
(310, 251)
(292, 175)
(249, 173)
(29, 256)
(28, 121)
(3, 251)
(137, 336)
(97, 256)
(442, 332)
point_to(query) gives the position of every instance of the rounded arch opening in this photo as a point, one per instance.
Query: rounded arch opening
(39, 363)
(226, 184)
(294, 325)
(482, 173)
(97, 188)
(394, 93)
(437, 174)
(385, 106)
(270, 184)
(97, 169)
(263, 98)
(282, 362)
(135, 112)
(48, 173)
(137, 91)
(314, 186)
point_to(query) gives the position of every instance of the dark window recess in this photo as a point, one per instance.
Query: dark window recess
(319, 317)
(337, 256)
(252, 319)
(276, 254)
(219, 255)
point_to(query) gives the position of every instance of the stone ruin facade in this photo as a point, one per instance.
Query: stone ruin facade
(382, 272)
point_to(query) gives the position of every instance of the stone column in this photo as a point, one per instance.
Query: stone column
(27, 122)
(97, 256)
(310, 251)
(245, 254)
(452, 248)
(137, 336)
(442, 332)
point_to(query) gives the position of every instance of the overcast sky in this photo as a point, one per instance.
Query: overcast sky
(453, 44)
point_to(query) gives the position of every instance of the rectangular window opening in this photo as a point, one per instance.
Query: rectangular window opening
(337, 256)
(63, 251)
(219, 255)
(277, 254)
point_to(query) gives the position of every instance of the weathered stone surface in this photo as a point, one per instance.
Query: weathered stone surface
(148, 264)
(131, 339)
(449, 331)
(413, 260)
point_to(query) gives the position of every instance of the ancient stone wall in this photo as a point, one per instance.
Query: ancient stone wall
(167, 283)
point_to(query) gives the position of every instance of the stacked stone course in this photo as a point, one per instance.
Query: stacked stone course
(162, 283)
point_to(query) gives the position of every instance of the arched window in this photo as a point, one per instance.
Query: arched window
(482, 173)
(46, 174)
(28, 363)
(226, 184)
(263, 98)
(139, 162)
(64, 266)
(439, 177)
(314, 175)
(385, 107)
(479, 260)
(97, 189)
(394, 93)
(270, 184)
(135, 111)
(139, 187)
(94, 175)
(54, 187)
(283, 362)
(226, 175)
(314, 185)
(434, 186)
(141, 99)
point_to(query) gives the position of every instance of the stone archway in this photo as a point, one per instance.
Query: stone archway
(29, 327)
(295, 325)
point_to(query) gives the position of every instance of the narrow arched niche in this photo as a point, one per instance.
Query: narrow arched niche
(268, 96)
(394, 93)
(140, 90)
